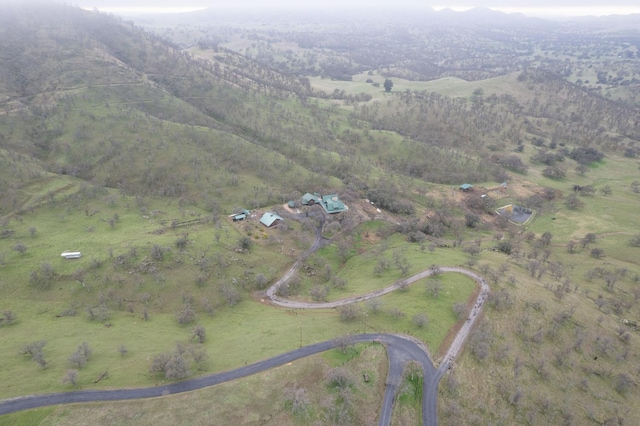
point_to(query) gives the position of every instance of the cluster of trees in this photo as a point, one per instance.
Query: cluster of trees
(176, 364)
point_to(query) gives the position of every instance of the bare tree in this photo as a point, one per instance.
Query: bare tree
(182, 242)
(339, 378)
(581, 169)
(460, 309)
(396, 313)
(344, 343)
(172, 364)
(319, 292)
(573, 202)
(231, 294)
(80, 357)
(199, 333)
(296, 400)
(71, 377)
(34, 350)
(199, 355)
(20, 248)
(434, 287)
(9, 317)
(348, 312)
(545, 239)
(435, 270)
(186, 315)
(420, 320)
(338, 282)
(588, 239)
(261, 281)
(622, 383)
(245, 243)
(122, 349)
(374, 305)
(42, 278)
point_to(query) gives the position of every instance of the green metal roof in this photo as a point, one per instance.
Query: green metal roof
(308, 197)
(332, 204)
(269, 218)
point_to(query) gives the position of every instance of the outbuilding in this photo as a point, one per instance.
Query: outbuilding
(241, 216)
(71, 255)
(270, 220)
(309, 199)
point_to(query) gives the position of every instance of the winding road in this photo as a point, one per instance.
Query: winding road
(400, 351)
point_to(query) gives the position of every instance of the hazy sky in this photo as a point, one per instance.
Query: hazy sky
(559, 7)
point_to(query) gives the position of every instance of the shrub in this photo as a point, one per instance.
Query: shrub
(348, 312)
(554, 172)
(514, 163)
(186, 315)
(339, 378)
(319, 293)
(505, 247)
(586, 155)
(420, 320)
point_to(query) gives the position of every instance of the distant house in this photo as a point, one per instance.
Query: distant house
(466, 187)
(332, 204)
(270, 220)
(71, 255)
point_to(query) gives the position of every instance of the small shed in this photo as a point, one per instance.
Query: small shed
(466, 187)
(71, 255)
(241, 216)
(270, 219)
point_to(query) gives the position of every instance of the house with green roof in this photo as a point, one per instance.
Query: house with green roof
(309, 199)
(270, 219)
(241, 216)
(466, 187)
(332, 204)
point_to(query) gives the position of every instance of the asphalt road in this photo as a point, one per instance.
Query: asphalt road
(400, 350)
(431, 378)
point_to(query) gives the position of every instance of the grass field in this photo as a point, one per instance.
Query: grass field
(270, 330)
(119, 274)
(261, 399)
